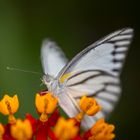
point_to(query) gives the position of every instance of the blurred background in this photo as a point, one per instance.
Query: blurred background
(73, 25)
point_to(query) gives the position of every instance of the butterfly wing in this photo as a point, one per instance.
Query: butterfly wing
(52, 58)
(95, 72)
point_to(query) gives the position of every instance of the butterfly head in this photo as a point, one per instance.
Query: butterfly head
(48, 80)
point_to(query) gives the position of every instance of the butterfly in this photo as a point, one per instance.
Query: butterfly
(95, 71)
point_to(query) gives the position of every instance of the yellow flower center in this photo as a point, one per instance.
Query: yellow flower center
(8, 107)
(89, 106)
(102, 131)
(22, 130)
(65, 129)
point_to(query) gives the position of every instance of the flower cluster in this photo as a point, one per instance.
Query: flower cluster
(50, 125)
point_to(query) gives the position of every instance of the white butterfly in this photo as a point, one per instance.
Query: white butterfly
(94, 71)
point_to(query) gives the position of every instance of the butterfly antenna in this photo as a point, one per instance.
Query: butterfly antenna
(21, 70)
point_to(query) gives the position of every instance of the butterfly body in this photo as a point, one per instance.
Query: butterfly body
(53, 85)
(93, 72)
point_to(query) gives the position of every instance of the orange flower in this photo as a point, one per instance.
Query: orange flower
(89, 106)
(45, 104)
(21, 130)
(9, 105)
(102, 131)
(50, 125)
(65, 129)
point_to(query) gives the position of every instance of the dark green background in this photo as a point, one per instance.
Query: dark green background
(74, 25)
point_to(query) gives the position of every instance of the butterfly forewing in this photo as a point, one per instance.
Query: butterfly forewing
(95, 72)
(106, 54)
(52, 58)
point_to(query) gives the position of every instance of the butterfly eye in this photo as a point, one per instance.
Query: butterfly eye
(46, 78)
